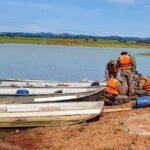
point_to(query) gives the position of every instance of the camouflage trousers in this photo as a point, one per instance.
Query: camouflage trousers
(142, 93)
(127, 76)
(116, 100)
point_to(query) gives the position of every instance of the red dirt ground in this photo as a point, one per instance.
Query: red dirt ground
(128, 130)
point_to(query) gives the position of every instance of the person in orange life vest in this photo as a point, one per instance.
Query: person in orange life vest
(143, 86)
(115, 92)
(111, 69)
(125, 65)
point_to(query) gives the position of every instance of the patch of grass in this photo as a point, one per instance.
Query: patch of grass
(144, 54)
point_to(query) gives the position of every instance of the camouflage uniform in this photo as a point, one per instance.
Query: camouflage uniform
(119, 99)
(133, 68)
(127, 75)
(127, 80)
(139, 90)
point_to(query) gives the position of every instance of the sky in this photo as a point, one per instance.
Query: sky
(89, 17)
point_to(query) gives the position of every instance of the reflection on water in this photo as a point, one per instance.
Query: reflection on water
(61, 62)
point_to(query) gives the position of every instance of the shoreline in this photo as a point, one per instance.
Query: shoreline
(73, 42)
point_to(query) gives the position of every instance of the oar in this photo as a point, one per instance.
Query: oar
(116, 110)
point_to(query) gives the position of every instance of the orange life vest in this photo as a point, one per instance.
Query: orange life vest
(112, 68)
(147, 83)
(112, 87)
(125, 62)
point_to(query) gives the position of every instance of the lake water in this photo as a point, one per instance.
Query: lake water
(28, 61)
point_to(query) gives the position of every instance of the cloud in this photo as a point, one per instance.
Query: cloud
(123, 1)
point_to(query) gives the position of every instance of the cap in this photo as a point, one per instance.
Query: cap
(124, 52)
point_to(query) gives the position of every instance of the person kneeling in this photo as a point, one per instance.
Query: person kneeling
(115, 93)
(143, 86)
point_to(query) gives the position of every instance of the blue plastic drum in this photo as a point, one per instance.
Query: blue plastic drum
(143, 101)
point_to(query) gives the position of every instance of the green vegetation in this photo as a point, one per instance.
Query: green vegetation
(144, 54)
(93, 42)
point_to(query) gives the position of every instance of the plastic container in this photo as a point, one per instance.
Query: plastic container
(143, 101)
(22, 92)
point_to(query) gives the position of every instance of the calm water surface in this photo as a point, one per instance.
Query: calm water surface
(29, 61)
